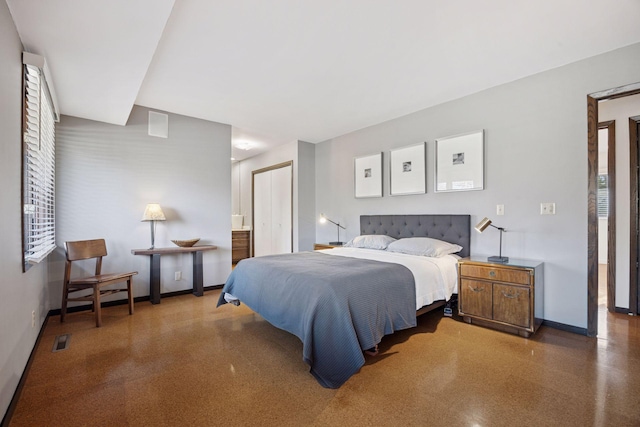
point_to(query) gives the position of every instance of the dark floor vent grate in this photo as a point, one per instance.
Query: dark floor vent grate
(61, 342)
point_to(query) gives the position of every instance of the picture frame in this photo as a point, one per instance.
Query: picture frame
(408, 166)
(460, 162)
(368, 176)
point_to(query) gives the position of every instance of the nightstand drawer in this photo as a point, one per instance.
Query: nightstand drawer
(499, 274)
(476, 298)
(239, 243)
(512, 305)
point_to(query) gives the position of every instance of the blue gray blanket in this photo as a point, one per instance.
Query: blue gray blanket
(337, 306)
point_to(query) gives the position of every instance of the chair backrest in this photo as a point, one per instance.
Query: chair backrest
(86, 249)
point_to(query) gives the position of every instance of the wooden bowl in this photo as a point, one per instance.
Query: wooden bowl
(186, 243)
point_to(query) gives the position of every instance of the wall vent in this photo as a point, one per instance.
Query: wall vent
(158, 124)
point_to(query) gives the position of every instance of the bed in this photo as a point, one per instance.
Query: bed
(341, 302)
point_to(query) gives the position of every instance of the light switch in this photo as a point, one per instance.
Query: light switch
(500, 210)
(547, 208)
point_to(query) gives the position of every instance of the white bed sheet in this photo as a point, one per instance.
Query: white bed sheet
(435, 278)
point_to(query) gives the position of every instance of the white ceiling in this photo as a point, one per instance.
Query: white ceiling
(285, 70)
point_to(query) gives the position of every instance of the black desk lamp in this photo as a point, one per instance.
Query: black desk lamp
(482, 225)
(324, 219)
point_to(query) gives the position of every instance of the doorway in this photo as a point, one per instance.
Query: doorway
(606, 209)
(592, 190)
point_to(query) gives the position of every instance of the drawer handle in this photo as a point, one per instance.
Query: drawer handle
(492, 273)
(511, 296)
(478, 289)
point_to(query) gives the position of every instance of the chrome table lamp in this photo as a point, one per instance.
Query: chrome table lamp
(324, 219)
(482, 225)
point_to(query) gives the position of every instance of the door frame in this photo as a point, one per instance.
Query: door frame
(634, 164)
(610, 125)
(592, 194)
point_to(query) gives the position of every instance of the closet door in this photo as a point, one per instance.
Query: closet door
(281, 226)
(262, 213)
(272, 210)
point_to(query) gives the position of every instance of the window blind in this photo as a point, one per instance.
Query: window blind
(603, 196)
(38, 168)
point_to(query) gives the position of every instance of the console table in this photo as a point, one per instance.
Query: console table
(154, 257)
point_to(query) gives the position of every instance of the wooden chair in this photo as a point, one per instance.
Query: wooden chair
(87, 249)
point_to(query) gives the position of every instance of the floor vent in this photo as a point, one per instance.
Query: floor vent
(61, 342)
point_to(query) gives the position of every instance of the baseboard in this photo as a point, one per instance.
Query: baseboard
(23, 378)
(75, 309)
(183, 292)
(565, 327)
(622, 310)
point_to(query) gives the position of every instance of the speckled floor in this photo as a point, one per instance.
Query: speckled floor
(186, 362)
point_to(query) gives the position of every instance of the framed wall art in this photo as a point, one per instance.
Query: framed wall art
(460, 162)
(407, 167)
(368, 176)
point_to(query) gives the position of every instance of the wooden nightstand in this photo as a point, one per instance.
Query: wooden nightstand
(318, 246)
(240, 245)
(506, 296)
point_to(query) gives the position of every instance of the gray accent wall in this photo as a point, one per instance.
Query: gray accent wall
(306, 219)
(106, 174)
(535, 151)
(20, 293)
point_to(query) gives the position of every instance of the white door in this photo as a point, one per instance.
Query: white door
(262, 213)
(281, 210)
(272, 212)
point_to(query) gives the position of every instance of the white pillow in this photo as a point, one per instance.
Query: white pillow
(370, 241)
(424, 246)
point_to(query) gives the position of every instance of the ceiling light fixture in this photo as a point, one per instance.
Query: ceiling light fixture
(244, 146)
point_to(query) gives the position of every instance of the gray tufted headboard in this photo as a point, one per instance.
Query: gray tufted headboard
(450, 228)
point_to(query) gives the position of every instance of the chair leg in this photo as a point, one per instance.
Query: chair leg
(96, 305)
(65, 294)
(130, 293)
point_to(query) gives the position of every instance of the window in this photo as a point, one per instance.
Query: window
(603, 196)
(38, 182)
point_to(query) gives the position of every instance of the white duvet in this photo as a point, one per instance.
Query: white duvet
(435, 278)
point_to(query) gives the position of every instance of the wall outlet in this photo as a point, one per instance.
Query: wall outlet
(500, 210)
(33, 319)
(547, 208)
(178, 275)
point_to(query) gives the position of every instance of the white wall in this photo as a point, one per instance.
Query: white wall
(20, 293)
(603, 227)
(106, 175)
(303, 156)
(535, 151)
(620, 110)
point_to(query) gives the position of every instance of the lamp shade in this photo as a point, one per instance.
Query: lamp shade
(153, 212)
(482, 225)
